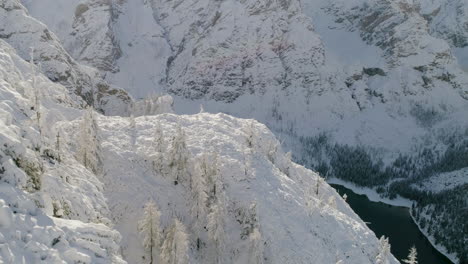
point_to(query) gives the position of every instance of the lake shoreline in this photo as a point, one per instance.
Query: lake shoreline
(373, 196)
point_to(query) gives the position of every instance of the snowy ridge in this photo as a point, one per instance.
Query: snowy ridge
(286, 212)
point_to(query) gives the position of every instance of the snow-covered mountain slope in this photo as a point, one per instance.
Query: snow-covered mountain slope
(279, 62)
(386, 77)
(296, 225)
(52, 208)
(65, 194)
(24, 33)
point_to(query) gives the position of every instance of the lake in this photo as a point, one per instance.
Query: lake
(395, 223)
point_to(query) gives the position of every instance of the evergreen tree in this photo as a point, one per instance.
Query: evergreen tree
(159, 146)
(179, 156)
(150, 230)
(208, 167)
(332, 202)
(199, 197)
(318, 183)
(36, 93)
(175, 246)
(250, 135)
(287, 164)
(89, 151)
(216, 227)
(58, 147)
(412, 256)
(383, 252)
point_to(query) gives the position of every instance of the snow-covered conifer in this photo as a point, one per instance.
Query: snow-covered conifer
(318, 182)
(287, 163)
(199, 197)
(412, 256)
(383, 251)
(209, 169)
(179, 156)
(159, 147)
(36, 94)
(89, 151)
(215, 227)
(332, 202)
(149, 227)
(58, 147)
(250, 137)
(175, 246)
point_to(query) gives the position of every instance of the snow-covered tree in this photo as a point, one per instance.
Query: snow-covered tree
(383, 251)
(58, 146)
(209, 169)
(287, 164)
(215, 227)
(89, 151)
(175, 246)
(250, 134)
(36, 94)
(412, 256)
(179, 156)
(149, 228)
(332, 202)
(345, 197)
(310, 200)
(318, 182)
(159, 147)
(256, 247)
(272, 151)
(199, 197)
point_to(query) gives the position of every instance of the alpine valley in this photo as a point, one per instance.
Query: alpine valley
(188, 131)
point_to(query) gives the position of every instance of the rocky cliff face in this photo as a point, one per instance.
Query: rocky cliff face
(33, 40)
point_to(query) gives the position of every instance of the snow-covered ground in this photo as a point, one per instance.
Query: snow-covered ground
(371, 194)
(462, 57)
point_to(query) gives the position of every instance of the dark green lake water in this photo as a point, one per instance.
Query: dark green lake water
(394, 222)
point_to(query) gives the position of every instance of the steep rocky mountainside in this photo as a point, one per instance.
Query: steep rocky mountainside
(286, 55)
(32, 39)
